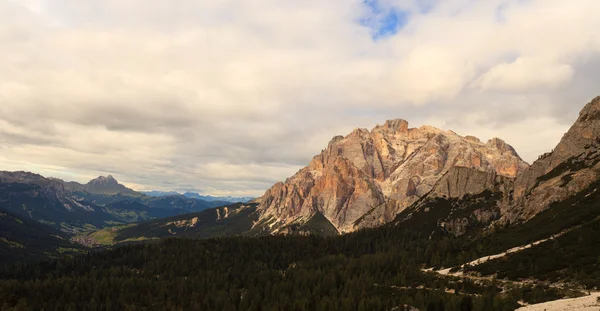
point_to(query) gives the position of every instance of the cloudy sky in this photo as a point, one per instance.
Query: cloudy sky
(230, 96)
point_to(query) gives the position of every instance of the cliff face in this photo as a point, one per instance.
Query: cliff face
(367, 177)
(460, 181)
(571, 167)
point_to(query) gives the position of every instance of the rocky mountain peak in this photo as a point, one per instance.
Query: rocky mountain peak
(102, 180)
(591, 109)
(106, 185)
(395, 125)
(380, 173)
(573, 165)
(584, 132)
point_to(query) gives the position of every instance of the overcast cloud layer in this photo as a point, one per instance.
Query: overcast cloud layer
(230, 96)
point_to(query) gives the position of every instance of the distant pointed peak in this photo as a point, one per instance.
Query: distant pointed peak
(104, 180)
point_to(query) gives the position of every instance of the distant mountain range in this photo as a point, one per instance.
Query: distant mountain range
(73, 207)
(194, 195)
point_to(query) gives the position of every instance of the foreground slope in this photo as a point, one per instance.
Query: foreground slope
(23, 239)
(229, 220)
(239, 219)
(377, 269)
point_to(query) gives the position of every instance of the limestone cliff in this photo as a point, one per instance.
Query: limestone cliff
(367, 177)
(571, 167)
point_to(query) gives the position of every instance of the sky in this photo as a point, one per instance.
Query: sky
(227, 97)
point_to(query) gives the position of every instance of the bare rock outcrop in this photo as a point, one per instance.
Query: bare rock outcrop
(367, 177)
(460, 181)
(571, 167)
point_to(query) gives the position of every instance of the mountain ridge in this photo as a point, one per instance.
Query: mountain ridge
(75, 208)
(380, 172)
(195, 195)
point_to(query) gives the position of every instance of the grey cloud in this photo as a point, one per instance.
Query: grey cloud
(231, 96)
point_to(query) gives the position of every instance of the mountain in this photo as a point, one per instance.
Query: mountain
(209, 198)
(47, 201)
(155, 193)
(570, 168)
(431, 179)
(106, 185)
(194, 195)
(230, 220)
(367, 177)
(236, 219)
(73, 207)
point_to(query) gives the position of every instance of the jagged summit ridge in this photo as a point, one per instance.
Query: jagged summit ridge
(379, 173)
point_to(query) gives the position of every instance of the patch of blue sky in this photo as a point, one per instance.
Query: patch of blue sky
(384, 21)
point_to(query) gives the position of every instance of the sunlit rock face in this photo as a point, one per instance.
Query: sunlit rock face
(367, 177)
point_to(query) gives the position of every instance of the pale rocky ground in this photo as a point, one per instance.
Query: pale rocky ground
(587, 303)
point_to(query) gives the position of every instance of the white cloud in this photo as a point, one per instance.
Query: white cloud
(525, 74)
(229, 96)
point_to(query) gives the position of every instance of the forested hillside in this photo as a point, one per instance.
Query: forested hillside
(378, 269)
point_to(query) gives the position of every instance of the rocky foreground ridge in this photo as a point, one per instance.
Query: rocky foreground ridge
(367, 178)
